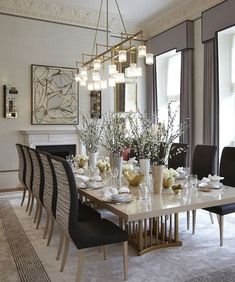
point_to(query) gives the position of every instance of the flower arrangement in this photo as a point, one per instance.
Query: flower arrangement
(165, 136)
(169, 177)
(127, 166)
(90, 133)
(114, 134)
(81, 160)
(142, 133)
(103, 165)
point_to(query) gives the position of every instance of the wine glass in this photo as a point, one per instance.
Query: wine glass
(115, 176)
(186, 174)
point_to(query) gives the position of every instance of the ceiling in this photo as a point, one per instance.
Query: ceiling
(138, 11)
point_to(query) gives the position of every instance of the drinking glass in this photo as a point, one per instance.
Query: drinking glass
(114, 174)
(186, 174)
(193, 180)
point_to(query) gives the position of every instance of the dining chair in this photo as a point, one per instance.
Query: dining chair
(227, 170)
(203, 164)
(49, 195)
(85, 234)
(29, 178)
(38, 184)
(22, 170)
(178, 155)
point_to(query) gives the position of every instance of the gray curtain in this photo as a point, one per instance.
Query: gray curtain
(211, 95)
(151, 89)
(187, 99)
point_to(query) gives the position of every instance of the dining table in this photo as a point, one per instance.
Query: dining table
(152, 220)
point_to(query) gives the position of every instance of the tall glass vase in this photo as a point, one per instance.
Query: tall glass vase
(117, 163)
(158, 173)
(92, 159)
(144, 167)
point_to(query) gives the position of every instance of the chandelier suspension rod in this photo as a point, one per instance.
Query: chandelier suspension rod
(97, 26)
(124, 27)
(107, 23)
(113, 48)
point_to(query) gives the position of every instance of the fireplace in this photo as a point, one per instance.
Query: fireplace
(57, 142)
(58, 150)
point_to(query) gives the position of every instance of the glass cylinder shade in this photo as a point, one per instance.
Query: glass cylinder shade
(103, 84)
(120, 78)
(83, 83)
(149, 59)
(112, 69)
(96, 76)
(96, 85)
(112, 82)
(141, 51)
(97, 64)
(77, 77)
(90, 86)
(83, 71)
(122, 56)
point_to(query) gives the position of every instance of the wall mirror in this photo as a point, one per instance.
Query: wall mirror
(126, 96)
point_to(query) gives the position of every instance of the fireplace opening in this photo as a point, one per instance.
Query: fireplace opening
(58, 150)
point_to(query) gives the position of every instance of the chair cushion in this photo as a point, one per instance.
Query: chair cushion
(223, 209)
(87, 213)
(96, 233)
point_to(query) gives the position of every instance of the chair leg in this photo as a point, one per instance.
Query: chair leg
(39, 215)
(221, 228)
(80, 264)
(60, 245)
(23, 197)
(105, 252)
(211, 216)
(65, 253)
(51, 229)
(29, 198)
(31, 205)
(47, 224)
(188, 220)
(194, 221)
(36, 213)
(125, 259)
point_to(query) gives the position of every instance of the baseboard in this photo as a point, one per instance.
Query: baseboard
(11, 190)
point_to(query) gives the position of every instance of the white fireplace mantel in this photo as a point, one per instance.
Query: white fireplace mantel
(35, 138)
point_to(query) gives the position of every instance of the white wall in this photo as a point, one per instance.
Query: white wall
(25, 42)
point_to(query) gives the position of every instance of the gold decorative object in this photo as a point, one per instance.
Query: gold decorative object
(102, 168)
(176, 188)
(81, 163)
(168, 182)
(133, 178)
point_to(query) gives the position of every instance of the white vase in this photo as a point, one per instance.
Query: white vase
(158, 173)
(144, 167)
(92, 159)
(117, 163)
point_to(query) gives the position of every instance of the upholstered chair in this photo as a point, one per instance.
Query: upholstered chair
(227, 170)
(203, 164)
(29, 178)
(22, 170)
(50, 193)
(85, 234)
(38, 184)
(178, 155)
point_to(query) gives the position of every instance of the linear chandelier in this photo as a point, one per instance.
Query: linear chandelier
(116, 63)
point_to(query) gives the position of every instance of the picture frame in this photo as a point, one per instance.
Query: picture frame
(95, 104)
(55, 97)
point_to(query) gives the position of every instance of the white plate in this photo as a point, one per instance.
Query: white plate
(91, 185)
(121, 198)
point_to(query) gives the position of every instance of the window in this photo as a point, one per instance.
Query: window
(168, 69)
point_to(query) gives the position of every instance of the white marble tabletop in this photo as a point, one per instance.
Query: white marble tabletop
(166, 203)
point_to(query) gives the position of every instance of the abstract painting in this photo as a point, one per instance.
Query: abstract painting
(54, 95)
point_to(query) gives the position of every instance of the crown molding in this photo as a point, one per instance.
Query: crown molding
(188, 10)
(61, 13)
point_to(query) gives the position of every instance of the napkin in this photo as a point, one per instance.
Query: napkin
(81, 171)
(124, 190)
(110, 191)
(84, 178)
(96, 178)
(215, 178)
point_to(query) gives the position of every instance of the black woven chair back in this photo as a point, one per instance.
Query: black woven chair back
(22, 164)
(227, 166)
(38, 177)
(67, 195)
(29, 171)
(204, 160)
(178, 155)
(50, 188)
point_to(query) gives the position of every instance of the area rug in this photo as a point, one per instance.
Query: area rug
(25, 257)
